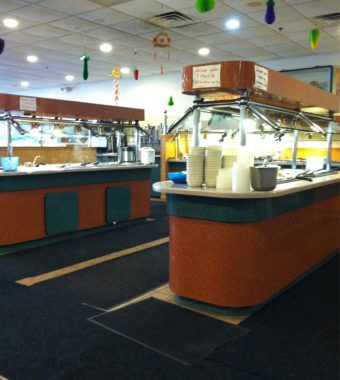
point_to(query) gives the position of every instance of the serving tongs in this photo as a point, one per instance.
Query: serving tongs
(308, 175)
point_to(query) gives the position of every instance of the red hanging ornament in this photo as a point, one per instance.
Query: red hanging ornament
(135, 72)
(161, 41)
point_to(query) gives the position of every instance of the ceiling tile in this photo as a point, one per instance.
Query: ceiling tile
(137, 27)
(70, 7)
(217, 38)
(199, 29)
(318, 7)
(47, 31)
(245, 22)
(10, 5)
(74, 24)
(106, 34)
(38, 14)
(176, 4)
(106, 16)
(108, 3)
(143, 9)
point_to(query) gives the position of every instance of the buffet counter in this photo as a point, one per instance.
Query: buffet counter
(42, 204)
(241, 249)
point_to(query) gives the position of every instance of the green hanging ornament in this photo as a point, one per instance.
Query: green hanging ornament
(314, 35)
(170, 101)
(204, 5)
(85, 57)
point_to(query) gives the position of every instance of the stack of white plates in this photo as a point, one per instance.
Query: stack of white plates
(197, 150)
(195, 169)
(227, 161)
(213, 160)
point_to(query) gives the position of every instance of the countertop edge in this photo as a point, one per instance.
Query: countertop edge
(280, 190)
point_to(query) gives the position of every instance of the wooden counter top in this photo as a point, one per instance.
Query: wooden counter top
(280, 190)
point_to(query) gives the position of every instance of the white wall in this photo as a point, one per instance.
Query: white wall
(152, 92)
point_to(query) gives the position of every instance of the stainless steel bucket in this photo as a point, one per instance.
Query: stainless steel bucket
(263, 178)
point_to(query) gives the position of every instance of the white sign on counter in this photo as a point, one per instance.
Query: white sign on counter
(261, 78)
(206, 76)
(28, 104)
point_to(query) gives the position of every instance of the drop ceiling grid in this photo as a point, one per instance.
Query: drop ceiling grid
(59, 31)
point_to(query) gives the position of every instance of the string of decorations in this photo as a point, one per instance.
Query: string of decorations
(116, 75)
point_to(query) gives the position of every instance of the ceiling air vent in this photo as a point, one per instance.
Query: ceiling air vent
(171, 20)
(328, 19)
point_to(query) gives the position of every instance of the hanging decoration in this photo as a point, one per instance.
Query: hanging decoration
(135, 72)
(314, 35)
(161, 41)
(2, 45)
(170, 101)
(116, 75)
(85, 58)
(135, 68)
(204, 5)
(269, 17)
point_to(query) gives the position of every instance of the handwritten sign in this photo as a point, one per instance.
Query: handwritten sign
(28, 104)
(261, 78)
(206, 76)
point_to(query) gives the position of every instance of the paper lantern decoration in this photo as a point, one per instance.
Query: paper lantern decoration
(162, 41)
(204, 5)
(170, 101)
(116, 75)
(314, 35)
(2, 45)
(269, 17)
(85, 58)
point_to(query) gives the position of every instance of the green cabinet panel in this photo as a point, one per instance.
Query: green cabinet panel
(118, 204)
(61, 212)
(155, 177)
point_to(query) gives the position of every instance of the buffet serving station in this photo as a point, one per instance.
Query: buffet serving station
(40, 204)
(236, 250)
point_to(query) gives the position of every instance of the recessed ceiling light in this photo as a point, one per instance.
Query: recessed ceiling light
(32, 58)
(203, 51)
(69, 77)
(105, 47)
(10, 22)
(232, 23)
(125, 70)
(24, 83)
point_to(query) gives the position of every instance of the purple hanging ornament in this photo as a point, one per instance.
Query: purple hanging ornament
(2, 45)
(269, 17)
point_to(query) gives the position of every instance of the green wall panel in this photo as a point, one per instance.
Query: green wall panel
(118, 204)
(61, 212)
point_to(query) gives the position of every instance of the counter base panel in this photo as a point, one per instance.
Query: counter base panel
(246, 264)
(23, 212)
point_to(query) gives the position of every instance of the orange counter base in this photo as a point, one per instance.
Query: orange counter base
(246, 264)
(38, 208)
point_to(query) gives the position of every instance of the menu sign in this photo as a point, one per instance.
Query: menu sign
(28, 104)
(261, 78)
(206, 76)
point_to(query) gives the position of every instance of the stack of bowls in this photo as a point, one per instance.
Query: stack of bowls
(195, 169)
(213, 161)
(227, 161)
